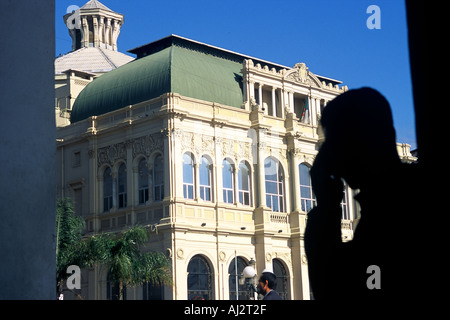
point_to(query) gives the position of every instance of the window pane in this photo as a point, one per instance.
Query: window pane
(275, 203)
(143, 174)
(304, 175)
(280, 188)
(107, 183)
(244, 177)
(227, 174)
(247, 199)
(268, 201)
(191, 192)
(205, 177)
(187, 168)
(271, 187)
(122, 179)
(305, 192)
(158, 169)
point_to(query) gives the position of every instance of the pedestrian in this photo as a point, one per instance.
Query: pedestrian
(266, 286)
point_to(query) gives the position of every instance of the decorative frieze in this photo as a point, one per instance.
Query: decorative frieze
(145, 145)
(111, 154)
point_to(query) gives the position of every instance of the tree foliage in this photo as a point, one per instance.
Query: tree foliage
(121, 253)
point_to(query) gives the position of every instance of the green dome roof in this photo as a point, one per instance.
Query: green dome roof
(172, 64)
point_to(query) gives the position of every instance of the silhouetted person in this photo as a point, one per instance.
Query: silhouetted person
(360, 148)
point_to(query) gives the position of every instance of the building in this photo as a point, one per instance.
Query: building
(94, 29)
(211, 150)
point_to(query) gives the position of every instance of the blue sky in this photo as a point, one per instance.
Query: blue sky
(330, 36)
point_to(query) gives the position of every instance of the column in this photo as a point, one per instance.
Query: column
(115, 34)
(108, 33)
(95, 31)
(261, 172)
(295, 181)
(85, 28)
(101, 31)
(218, 181)
(236, 183)
(282, 101)
(197, 180)
(313, 112)
(274, 102)
(261, 97)
(251, 89)
(291, 101)
(150, 180)
(114, 188)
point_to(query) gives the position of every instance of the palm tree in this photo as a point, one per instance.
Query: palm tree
(69, 229)
(127, 265)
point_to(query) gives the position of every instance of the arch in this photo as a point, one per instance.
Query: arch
(117, 165)
(200, 278)
(234, 276)
(155, 153)
(112, 289)
(282, 273)
(138, 159)
(274, 183)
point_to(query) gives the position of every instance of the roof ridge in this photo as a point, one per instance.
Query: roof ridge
(94, 4)
(107, 58)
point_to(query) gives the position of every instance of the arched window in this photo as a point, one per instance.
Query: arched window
(122, 186)
(307, 198)
(227, 180)
(274, 185)
(158, 178)
(200, 278)
(112, 290)
(205, 179)
(234, 278)
(143, 181)
(153, 291)
(107, 190)
(244, 183)
(188, 176)
(282, 279)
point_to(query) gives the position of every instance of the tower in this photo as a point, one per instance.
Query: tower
(94, 25)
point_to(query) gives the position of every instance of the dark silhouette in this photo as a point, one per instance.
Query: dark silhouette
(266, 286)
(360, 148)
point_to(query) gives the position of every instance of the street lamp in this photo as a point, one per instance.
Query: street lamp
(249, 276)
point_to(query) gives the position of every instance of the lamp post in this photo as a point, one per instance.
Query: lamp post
(249, 276)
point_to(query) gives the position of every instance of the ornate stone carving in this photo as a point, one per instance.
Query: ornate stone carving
(300, 74)
(180, 254)
(148, 144)
(222, 256)
(111, 154)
